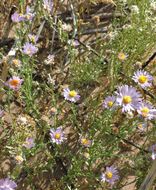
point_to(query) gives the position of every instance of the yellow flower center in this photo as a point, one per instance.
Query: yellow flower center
(15, 62)
(21, 14)
(85, 141)
(28, 16)
(19, 158)
(110, 104)
(29, 51)
(140, 126)
(142, 79)
(14, 82)
(33, 38)
(72, 93)
(121, 56)
(127, 99)
(57, 136)
(109, 175)
(145, 111)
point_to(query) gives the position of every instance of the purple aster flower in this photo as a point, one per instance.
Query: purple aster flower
(153, 149)
(85, 142)
(71, 95)
(14, 83)
(17, 17)
(147, 111)
(7, 184)
(143, 78)
(128, 98)
(73, 43)
(29, 15)
(109, 102)
(29, 49)
(57, 136)
(110, 175)
(29, 143)
(48, 5)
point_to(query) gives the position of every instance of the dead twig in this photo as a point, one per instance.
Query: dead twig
(149, 60)
(130, 142)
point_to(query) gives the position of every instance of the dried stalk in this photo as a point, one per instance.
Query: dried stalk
(147, 183)
(4, 75)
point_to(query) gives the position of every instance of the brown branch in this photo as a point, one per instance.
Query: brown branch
(149, 60)
(3, 76)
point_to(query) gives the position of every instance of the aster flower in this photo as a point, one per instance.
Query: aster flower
(153, 150)
(147, 111)
(14, 83)
(71, 95)
(128, 98)
(109, 102)
(143, 78)
(57, 135)
(7, 184)
(73, 43)
(122, 56)
(17, 17)
(48, 5)
(85, 142)
(29, 15)
(29, 143)
(29, 49)
(110, 175)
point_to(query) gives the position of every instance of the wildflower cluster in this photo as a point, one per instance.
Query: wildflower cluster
(28, 16)
(48, 127)
(130, 99)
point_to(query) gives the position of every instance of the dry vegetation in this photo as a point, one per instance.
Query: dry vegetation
(91, 47)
